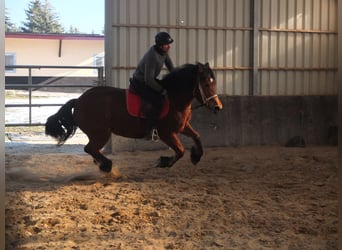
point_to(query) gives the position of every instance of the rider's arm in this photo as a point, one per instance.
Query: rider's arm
(169, 63)
(150, 76)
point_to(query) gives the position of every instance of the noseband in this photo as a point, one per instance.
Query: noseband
(205, 100)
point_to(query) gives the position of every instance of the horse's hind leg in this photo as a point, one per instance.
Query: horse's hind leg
(97, 141)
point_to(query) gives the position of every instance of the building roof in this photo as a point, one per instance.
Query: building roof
(53, 36)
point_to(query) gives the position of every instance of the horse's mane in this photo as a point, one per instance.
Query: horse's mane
(181, 78)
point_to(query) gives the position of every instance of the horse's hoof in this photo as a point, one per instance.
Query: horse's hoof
(106, 167)
(195, 156)
(163, 162)
(195, 159)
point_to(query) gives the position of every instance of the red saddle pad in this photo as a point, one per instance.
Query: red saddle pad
(133, 103)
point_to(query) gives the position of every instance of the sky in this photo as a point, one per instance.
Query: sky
(86, 15)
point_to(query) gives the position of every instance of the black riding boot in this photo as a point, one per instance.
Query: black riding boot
(152, 114)
(151, 132)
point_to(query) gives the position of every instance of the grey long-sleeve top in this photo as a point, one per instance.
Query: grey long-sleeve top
(150, 67)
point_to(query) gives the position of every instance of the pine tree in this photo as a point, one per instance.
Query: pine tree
(74, 30)
(41, 19)
(9, 26)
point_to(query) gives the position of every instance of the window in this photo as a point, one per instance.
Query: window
(98, 61)
(10, 59)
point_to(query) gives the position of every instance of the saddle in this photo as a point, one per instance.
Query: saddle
(138, 108)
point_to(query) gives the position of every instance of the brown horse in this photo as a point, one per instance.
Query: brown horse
(101, 111)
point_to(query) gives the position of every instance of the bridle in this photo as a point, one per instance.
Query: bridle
(205, 100)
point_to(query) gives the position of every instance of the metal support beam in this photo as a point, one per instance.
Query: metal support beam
(108, 42)
(339, 84)
(253, 47)
(2, 122)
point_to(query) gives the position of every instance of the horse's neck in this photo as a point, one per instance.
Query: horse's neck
(181, 95)
(179, 103)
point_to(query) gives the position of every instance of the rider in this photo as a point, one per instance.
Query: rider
(145, 82)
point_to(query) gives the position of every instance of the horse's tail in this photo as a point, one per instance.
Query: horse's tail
(62, 125)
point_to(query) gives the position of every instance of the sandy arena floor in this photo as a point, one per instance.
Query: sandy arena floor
(265, 197)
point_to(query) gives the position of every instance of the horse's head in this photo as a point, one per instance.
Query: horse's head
(206, 92)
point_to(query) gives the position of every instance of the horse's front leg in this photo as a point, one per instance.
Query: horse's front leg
(197, 149)
(174, 143)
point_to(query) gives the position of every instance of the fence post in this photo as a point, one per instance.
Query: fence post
(100, 77)
(30, 94)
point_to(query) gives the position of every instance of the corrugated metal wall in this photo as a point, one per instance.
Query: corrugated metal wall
(256, 47)
(297, 47)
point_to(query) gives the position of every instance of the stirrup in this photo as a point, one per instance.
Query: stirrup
(155, 136)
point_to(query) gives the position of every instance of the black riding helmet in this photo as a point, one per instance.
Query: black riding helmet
(163, 38)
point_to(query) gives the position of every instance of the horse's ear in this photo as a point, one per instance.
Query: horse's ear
(200, 67)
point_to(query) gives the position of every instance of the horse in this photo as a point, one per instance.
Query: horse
(102, 110)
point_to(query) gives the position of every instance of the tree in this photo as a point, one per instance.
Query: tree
(41, 19)
(9, 26)
(74, 30)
